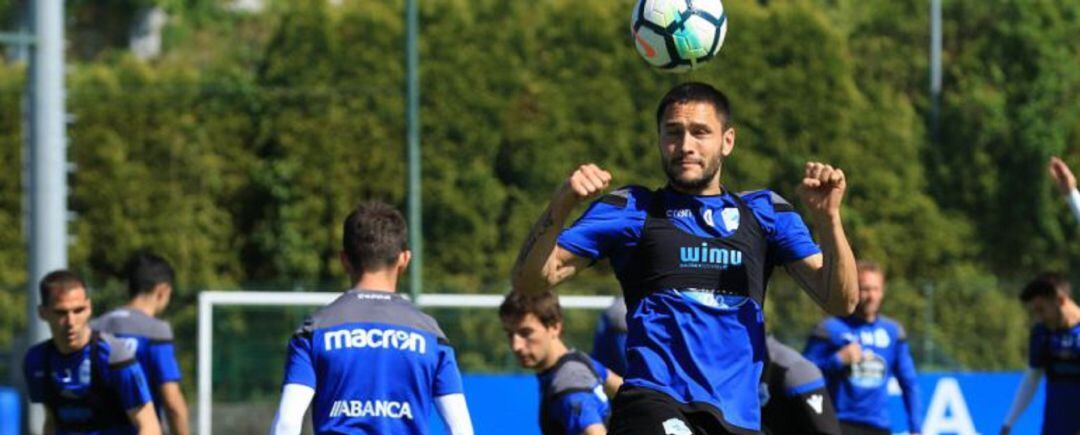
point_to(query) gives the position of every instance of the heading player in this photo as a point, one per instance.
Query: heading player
(574, 388)
(89, 382)
(693, 259)
(150, 281)
(372, 361)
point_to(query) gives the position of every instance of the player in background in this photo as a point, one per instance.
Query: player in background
(150, 280)
(89, 382)
(1065, 182)
(609, 342)
(1054, 351)
(574, 388)
(798, 402)
(859, 353)
(693, 259)
(371, 361)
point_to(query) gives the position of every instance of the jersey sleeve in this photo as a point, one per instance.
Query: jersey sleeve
(578, 411)
(130, 383)
(788, 237)
(447, 375)
(299, 365)
(34, 373)
(906, 376)
(821, 350)
(1036, 357)
(163, 366)
(601, 371)
(610, 223)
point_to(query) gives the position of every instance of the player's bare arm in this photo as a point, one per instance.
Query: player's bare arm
(612, 383)
(175, 407)
(830, 278)
(1063, 177)
(595, 429)
(541, 264)
(145, 419)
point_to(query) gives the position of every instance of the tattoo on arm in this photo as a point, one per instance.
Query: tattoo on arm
(542, 226)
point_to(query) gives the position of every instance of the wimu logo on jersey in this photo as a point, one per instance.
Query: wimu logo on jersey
(371, 408)
(706, 257)
(375, 338)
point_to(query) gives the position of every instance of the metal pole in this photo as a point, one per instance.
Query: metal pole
(935, 70)
(206, 348)
(47, 184)
(412, 61)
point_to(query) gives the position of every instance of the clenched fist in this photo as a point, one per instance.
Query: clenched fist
(822, 189)
(588, 181)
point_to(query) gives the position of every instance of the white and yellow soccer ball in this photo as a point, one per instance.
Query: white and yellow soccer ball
(678, 35)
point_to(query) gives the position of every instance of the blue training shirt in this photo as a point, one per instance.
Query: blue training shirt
(572, 395)
(1058, 353)
(609, 342)
(87, 396)
(860, 392)
(152, 341)
(376, 364)
(694, 346)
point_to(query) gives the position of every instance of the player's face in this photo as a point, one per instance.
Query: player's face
(1046, 311)
(871, 292)
(693, 143)
(530, 340)
(68, 315)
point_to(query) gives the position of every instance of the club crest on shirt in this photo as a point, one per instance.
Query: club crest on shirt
(730, 217)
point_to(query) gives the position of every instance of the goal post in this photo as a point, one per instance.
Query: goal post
(211, 298)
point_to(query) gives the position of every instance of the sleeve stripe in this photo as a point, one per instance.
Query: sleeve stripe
(159, 341)
(806, 388)
(121, 364)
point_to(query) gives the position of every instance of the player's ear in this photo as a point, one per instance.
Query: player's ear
(729, 141)
(557, 329)
(403, 260)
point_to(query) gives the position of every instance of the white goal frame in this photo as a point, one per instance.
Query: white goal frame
(208, 299)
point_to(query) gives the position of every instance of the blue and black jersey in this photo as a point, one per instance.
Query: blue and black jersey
(376, 364)
(860, 391)
(152, 341)
(693, 270)
(572, 395)
(798, 403)
(1058, 353)
(609, 342)
(90, 390)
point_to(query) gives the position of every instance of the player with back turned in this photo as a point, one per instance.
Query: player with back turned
(693, 259)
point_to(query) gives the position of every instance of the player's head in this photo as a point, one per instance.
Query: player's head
(1045, 298)
(533, 324)
(150, 276)
(871, 288)
(65, 306)
(693, 121)
(375, 240)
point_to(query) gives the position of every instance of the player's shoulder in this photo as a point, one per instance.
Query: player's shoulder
(766, 200)
(371, 307)
(128, 322)
(631, 197)
(36, 354)
(893, 326)
(829, 327)
(120, 351)
(574, 372)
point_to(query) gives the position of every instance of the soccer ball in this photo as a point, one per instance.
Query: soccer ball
(678, 35)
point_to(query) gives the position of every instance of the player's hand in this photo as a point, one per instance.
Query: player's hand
(588, 181)
(850, 354)
(1005, 430)
(1062, 176)
(822, 189)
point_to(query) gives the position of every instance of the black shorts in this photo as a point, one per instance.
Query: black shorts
(808, 413)
(850, 428)
(641, 411)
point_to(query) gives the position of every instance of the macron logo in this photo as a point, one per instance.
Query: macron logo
(371, 408)
(375, 338)
(815, 402)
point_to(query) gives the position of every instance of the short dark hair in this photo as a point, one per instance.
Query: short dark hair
(60, 280)
(375, 234)
(145, 271)
(1046, 285)
(870, 266)
(695, 92)
(544, 305)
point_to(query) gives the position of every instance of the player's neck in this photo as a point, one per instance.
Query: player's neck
(558, 349)
(711, 190)
(144, 303)
(84, 339)
(382, 281)
(1072, 315)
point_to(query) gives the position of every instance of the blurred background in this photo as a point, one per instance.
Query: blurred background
(232, 137)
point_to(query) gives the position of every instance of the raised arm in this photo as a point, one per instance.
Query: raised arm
(830, 278)
(1065, 182)
(541, 263)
